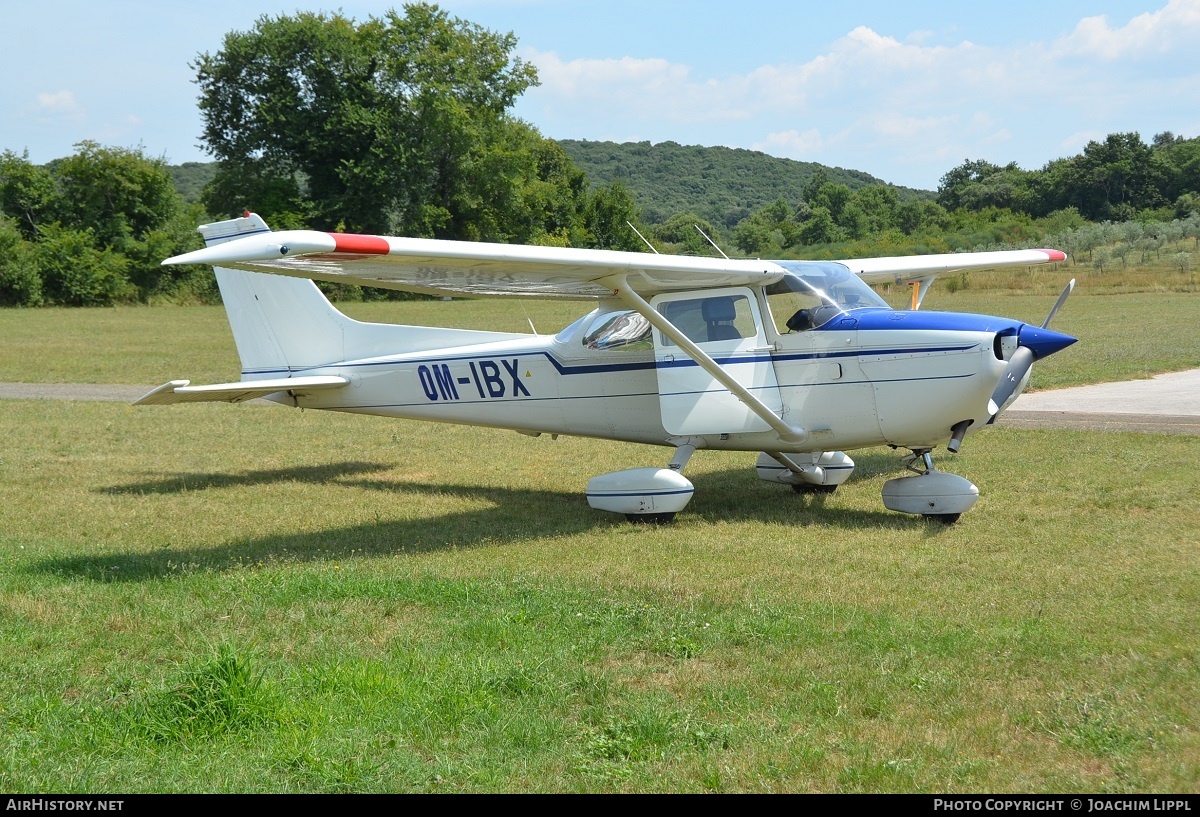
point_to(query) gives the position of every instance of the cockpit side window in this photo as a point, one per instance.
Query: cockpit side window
(792, 310)
(813, 293)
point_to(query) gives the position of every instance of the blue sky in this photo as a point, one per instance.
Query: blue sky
(904, 91)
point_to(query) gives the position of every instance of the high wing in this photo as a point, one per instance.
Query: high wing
(466, 267)
(903, 268)
(921, 270)
(440, 267)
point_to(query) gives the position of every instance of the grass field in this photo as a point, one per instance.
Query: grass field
(212, 598)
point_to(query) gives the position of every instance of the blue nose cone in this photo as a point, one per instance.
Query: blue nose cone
(1044, 342)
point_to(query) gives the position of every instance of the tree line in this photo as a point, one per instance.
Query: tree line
(92, 229)
(1121, 179)
(401, 125)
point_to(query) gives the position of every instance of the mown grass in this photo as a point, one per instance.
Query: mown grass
(211, 598)
(250, 598)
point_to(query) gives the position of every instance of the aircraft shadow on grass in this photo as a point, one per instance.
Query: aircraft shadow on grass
(184, 482)
(511, 515)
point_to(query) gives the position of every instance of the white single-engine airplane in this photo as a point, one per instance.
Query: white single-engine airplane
(798, 360)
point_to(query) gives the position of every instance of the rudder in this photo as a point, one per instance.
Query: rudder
(283, 324)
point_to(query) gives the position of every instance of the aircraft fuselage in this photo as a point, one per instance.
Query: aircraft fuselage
(851, 383)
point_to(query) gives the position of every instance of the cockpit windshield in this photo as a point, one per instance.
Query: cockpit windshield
(813, 293)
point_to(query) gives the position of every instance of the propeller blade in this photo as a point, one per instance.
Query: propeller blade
(1018, 366)
(1062, 299)
(1035, 344)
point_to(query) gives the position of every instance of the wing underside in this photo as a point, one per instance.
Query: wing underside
(473, 268)
(479, 269)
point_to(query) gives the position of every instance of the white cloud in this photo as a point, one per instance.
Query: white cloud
(1176, 24)
(793, 144)
(59, 104)
(909, 127)
(873, 102)
(589, 74)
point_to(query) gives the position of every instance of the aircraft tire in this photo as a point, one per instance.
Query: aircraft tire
(650, 518)
(806, 488)
(944, 518)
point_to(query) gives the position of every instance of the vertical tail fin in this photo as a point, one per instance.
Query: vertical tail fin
(283, 324)
(279, 324)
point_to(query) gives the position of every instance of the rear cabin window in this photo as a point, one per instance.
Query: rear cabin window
(619, 330)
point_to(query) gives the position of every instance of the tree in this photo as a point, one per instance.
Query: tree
(1110, 179)
(1181, 160)
(607, 216)
(119, 194)
(27, 192)
(959, 179)
(395, 125)
(879, 205)
(913, 216)
(94, 223)
(127, 204)
(820, 228)
(679, 231)
(832, 197)
(75, 272)
(770, 228)
(20, 282)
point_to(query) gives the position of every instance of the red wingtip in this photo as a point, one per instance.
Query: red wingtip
(360, 244)
(1056, 255)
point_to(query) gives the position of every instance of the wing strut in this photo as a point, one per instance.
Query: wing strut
(786, 432)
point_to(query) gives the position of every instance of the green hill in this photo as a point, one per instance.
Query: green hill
(190, 178)
(720, 184)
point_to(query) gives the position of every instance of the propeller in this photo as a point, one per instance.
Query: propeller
(1062, 299)
(1034, 343)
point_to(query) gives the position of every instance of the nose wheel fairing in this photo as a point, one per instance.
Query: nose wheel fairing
(931, 493)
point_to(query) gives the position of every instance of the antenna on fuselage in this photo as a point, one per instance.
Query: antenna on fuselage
(639, 235)
(526, 311)
(710, 241)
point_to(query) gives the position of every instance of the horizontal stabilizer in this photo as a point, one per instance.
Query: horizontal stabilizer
(178, 391)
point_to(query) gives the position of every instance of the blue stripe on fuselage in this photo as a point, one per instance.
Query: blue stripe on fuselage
(864, 320)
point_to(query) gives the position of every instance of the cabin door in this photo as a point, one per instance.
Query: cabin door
(727, 326)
